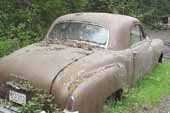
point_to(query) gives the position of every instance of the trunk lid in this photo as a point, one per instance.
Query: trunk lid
(40, 64)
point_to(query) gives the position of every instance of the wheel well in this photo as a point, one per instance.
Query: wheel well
(116, 96)
(160, 58)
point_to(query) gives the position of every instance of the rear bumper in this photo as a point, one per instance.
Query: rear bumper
(6, 110)
(66, 111)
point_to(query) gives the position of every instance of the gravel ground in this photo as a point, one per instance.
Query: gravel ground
(165, 36)
(164, 106)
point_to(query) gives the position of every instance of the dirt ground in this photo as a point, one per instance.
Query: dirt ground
(164, 106)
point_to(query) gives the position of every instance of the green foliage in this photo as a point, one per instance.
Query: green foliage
(146, 93)
(17, 26)
(100, 5)
(76, 5)
(7, 46)
(41, 101)
(148, 11)
(23, 22)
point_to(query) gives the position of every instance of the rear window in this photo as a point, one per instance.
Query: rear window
(80, 31)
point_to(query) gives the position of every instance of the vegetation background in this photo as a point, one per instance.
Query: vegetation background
(23, 22)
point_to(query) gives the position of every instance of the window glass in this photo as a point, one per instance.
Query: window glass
(135, 35)
(80, 31)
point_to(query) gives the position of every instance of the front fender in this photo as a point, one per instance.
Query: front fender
(91, 94)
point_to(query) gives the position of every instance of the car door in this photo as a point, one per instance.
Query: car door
(142, 53)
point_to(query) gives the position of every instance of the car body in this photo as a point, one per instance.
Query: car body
(85, 58)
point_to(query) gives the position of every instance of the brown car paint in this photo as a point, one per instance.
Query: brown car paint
(89, 75)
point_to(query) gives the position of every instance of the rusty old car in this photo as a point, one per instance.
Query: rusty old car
(83, 60)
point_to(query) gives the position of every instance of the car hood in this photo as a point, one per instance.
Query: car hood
(39, 63)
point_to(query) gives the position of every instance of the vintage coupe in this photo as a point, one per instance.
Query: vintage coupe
(84, 59)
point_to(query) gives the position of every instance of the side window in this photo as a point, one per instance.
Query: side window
(135, 35)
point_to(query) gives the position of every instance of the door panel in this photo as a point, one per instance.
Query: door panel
(142, 59)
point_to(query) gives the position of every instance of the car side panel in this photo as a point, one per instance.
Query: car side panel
(91, 94)
(142, 59)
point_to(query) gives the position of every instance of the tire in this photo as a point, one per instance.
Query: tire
(160, 58)
(116, 96)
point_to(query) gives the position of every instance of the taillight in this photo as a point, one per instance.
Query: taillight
(70, 104)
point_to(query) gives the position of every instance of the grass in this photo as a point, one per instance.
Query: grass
(146, 94)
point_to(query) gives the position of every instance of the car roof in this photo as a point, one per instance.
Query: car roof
(118, 25)
(103, 19)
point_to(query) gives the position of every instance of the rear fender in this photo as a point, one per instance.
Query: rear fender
(91, 94)
(158, 47)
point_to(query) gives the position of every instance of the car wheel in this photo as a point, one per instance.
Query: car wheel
(160, 58)
(116, 96)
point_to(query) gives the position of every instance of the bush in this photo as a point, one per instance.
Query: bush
(16, 27)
